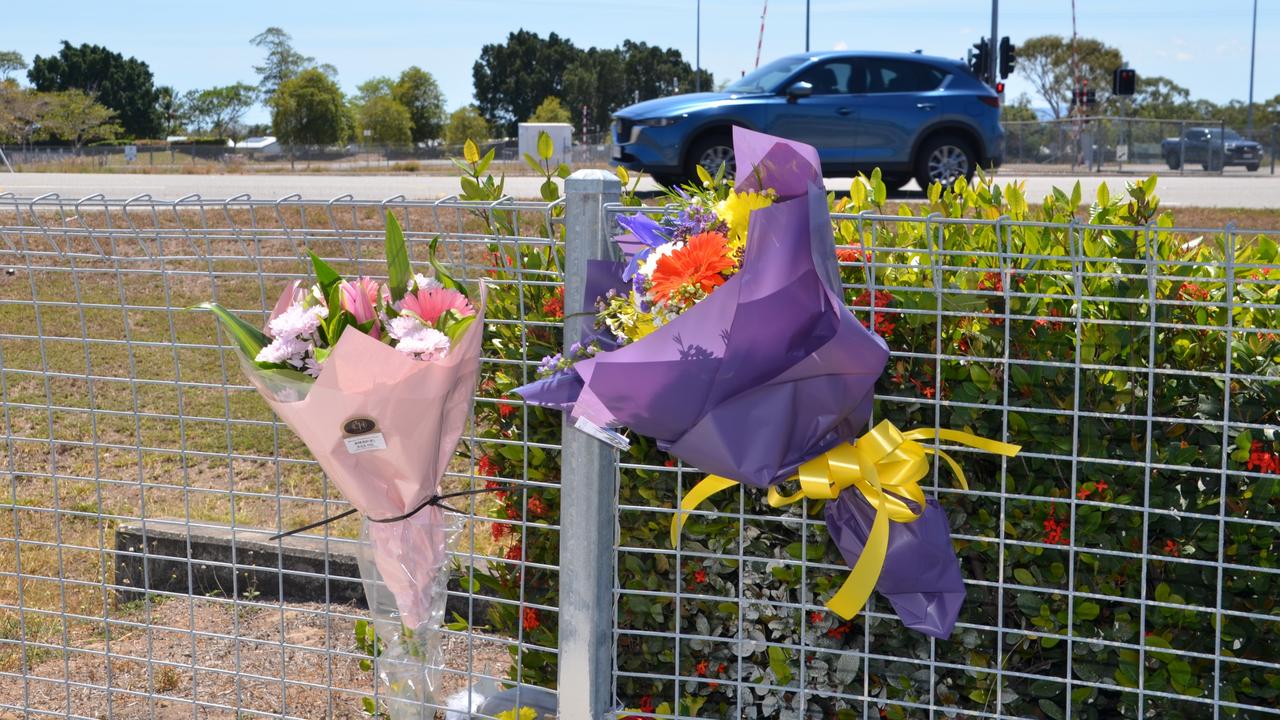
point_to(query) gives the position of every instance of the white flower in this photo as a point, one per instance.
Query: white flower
(297, 321)
(283, 349)
(650, 262)
(414, 338)
(425, 282)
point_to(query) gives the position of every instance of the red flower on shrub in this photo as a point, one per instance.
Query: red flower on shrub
(536, 507)
(553, 307)
(486, 466)
(849, 255)
(701, 668)
(1262, 460)
(815, 617)
(883, 298)
(838, 632)
(1054, 529)
(515, 552)
(494, 485)
(497, 530)
(1084, 492)
(529, 619)
(506, 409)
(700, 576)
(1193, 292)
(1172, 548)
(646, 704)
(991, 281)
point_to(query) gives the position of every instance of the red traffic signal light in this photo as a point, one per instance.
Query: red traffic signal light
(1125, 81)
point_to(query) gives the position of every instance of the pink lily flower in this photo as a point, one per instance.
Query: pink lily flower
(360, 298)
(429, 305)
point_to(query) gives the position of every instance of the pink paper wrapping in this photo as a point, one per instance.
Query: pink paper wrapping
(420, 409)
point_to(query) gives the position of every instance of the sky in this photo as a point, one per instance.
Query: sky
(1203, 46)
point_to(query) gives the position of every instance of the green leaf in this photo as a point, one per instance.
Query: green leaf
(247, 337)
(1051, 709)
(455, 330)
(325, 275)
(623, 176)
(443, 277)
(398, 271)
(1024, 576)
(704, 176)
(1104, 195)
(549, 191)
(470, 152)
(546, 148)
(1087, 610)
(778, 664)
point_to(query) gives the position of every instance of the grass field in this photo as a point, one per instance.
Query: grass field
(120, 404)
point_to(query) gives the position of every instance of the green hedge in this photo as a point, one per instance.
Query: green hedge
(1061, 521)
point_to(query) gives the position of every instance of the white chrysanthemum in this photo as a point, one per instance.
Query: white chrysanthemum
(297, 321)
(414, 338)
(650, 262)
(284, 349)
(425, 282)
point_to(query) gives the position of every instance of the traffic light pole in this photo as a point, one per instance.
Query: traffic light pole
(993, 69)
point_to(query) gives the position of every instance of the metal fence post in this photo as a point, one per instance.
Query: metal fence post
(587, 472)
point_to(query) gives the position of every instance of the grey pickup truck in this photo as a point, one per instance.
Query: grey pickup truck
(1214, 148)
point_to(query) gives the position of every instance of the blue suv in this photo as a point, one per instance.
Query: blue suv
(909, 115)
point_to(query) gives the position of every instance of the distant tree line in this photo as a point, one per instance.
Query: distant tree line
(87, 93)
(513, 78)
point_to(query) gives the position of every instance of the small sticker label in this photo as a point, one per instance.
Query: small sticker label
(602, 434)
(359, 426)
(364, 443)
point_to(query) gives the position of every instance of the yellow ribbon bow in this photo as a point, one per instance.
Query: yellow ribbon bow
(886, 465)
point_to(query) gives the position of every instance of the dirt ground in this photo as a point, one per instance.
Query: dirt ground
(284, 667)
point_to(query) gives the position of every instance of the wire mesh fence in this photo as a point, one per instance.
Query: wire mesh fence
(1137, 145)
(1117, 568)
(144, 476)
(1123, 566)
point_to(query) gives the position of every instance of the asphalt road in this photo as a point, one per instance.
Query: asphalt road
(1253, 190)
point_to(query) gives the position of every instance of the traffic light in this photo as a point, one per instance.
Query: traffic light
(1084, 95)
(1008, 56)
(978, 59)
(1125, 81)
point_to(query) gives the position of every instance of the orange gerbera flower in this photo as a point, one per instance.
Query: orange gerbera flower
(698, 264)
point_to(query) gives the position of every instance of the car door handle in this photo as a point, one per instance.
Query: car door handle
(924, 106)
(844, 111)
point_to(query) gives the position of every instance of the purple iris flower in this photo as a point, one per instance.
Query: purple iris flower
(646, 230)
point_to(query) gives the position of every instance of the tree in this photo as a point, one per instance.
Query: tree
(373, 87)
(418, 91)
(1160, 97)
(551, 111)
(466, 123)
(308, 110)
(75, 117)
(282, 62)
(172, 109)
(597, 82)
(219, 109)
(1018, 111)
(387, 121)
(1051, 66)
(512, 78)
(11, 61)
(123, 85)
(22, 112)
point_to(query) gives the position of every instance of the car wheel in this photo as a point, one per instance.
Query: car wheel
(711, 152)
(1251, 167)
(1173, 161)
(943, 158)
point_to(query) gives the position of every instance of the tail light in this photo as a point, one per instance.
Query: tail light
(992, 100)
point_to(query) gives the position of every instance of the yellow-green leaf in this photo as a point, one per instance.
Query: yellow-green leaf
(470, 152)
(545, 146)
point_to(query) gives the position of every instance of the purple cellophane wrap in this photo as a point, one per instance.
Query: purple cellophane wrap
(769, 371)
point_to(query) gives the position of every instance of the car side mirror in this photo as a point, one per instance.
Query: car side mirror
(799, 90)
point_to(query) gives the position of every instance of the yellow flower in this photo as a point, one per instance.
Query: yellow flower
(735, 211)
(524, 713)
(624, 318)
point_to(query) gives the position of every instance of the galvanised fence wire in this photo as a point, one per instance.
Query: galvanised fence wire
(143, 475)
(1122, 566)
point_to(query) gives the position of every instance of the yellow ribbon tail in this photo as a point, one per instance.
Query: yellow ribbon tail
(698, 494)
(856, 590)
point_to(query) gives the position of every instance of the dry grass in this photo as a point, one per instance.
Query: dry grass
(100, 431)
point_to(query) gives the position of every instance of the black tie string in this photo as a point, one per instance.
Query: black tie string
(435, 500)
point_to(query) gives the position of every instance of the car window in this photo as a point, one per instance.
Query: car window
(876, 75)
(766, 78)
(829, 78)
